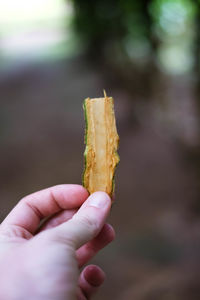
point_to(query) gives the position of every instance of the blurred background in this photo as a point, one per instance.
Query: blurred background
(146, 54)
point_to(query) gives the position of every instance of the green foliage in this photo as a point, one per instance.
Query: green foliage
(172, 16)
(101, 21)
(97, 19)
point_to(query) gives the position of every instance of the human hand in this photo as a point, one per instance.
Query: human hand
(41, 264)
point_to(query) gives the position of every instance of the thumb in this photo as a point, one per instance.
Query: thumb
(86, 223)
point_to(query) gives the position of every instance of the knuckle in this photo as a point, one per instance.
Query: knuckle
(90, 223)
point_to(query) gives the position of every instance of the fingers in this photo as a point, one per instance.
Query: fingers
(91, 278)
(57, 219)
(28, 213)
(85, 224)
(90, 249)
(87, 251)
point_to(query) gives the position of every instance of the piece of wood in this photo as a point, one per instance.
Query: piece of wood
(101, 141)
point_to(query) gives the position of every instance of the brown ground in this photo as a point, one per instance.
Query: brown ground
(157, 248)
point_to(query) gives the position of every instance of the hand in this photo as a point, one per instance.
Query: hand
(43, 264)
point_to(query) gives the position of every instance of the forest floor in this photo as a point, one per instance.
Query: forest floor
(156, 214)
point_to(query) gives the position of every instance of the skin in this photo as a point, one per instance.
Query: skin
(43, 261)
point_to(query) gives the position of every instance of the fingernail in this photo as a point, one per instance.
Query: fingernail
(99, 200)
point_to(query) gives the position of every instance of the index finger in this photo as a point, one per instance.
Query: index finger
(28, 213)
